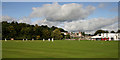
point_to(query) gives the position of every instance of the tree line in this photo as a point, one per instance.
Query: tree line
(20, 31)
(103, 31)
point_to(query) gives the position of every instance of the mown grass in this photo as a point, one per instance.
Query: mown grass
(59, 49)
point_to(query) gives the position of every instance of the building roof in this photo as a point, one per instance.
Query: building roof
(96, 37)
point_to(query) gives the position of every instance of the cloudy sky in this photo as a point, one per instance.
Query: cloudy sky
(72, 16)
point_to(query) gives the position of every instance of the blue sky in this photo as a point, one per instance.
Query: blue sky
(21, 9)
(60, 0)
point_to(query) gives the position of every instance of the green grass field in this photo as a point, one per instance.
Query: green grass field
(60, 49)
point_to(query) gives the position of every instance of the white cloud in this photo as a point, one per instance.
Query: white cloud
(7, 18)
(45, 22)
(101, 5)
(112, 27)
(20, 20)
(114, 9)
(66, 12)
(89, 25)
(24, 20)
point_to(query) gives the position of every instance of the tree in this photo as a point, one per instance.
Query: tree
(100, 31)
(5, 32)
(12, 32)
(26, 32)
(53, 28)
(62, 30)
(45, 34)
(56, 34)
(22, 31)
(83, 33)
(106, 31)
(112, 32)
(67, 36)
(38, 37)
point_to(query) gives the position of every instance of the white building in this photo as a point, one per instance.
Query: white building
(107, 36)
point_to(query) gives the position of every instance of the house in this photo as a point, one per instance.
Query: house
(107, 36)
(76, 34)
